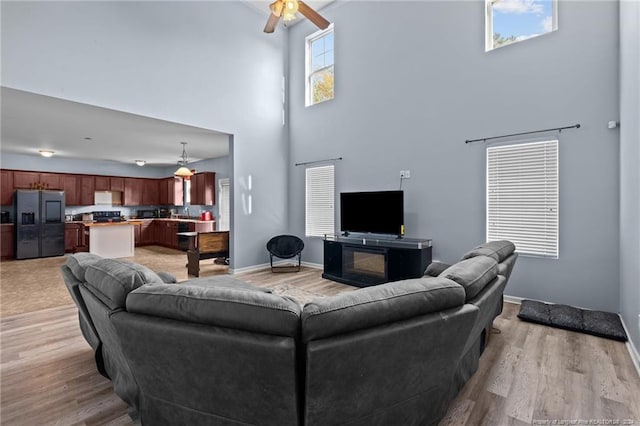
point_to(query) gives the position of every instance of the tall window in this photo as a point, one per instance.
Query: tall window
(223, 205)
(319, 66)
(320, 200)
(510, 21)
(522, 196)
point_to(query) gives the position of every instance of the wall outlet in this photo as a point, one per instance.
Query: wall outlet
(405, 174)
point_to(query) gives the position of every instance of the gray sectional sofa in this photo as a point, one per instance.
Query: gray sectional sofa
(217, 351)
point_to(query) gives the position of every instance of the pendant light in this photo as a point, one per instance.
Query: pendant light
(183, 171)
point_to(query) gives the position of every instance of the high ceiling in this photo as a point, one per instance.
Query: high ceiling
(31, 122)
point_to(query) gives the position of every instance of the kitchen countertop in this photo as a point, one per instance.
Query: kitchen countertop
(134, 221)
(126, 222)
(6, 224)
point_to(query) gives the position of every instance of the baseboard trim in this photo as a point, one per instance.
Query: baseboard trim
(635, 357)
(512, 299)
(263, 266)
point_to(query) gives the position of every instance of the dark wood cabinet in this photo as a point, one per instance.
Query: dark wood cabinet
(87, 190)
(35, 180)
(25, 180)
(6, 241)
(150, 193)
(203, 189)
(167, 233)
(145, 233)
(132, 192)
(117, 184)
(51, 181)
(76, 238)
(103, 183)
(71, 190)
(6, 190)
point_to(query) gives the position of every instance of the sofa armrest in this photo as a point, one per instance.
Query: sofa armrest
(436, 268)
(167, 278)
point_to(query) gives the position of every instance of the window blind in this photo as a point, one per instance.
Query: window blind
(223, 205)
(320, 200)
(522, 196)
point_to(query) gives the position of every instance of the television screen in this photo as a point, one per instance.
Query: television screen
(378, 212)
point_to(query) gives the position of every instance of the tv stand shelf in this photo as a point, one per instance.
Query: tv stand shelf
(366, 260)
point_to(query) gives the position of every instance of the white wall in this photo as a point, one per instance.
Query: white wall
(410, 89)
(206, 64)
(630, 167)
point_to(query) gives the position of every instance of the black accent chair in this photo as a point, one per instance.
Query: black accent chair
(285, 247)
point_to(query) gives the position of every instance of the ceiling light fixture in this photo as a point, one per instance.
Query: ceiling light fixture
(46, 153)
(183, 171)
(290, 9)
(140, 162)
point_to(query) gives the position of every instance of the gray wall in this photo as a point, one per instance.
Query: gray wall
(630, 167)
(411, 89)
(205, 64)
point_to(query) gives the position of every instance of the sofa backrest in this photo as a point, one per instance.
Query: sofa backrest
(111, 280)
(377, 305)
(473, 274)
(219, 354)
(241, 308)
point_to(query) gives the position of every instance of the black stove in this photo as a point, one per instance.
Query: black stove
(110, 216)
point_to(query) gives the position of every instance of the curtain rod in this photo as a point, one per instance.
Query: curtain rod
(560, 129)
(318, 161)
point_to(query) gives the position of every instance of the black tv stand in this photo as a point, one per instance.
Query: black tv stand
(364, 261)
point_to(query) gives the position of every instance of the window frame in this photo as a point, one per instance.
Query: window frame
(551, 181)
(309, 233)
(308, 72)
(488, 26)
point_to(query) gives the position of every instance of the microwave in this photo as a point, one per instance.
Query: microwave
(146, 214)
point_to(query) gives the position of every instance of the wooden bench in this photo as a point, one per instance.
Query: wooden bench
(210, 245)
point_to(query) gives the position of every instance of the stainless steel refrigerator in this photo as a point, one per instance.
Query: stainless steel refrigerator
(39, 223)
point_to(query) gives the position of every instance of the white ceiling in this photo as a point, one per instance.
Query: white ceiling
(31, 122)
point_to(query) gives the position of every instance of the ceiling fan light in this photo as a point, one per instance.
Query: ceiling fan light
(183, 172)
(46, 153)
(140, 162)
(290, 9)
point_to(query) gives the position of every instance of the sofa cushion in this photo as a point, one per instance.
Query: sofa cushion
(498, 250)
(435, 269)
(112, 279)
(473, 274)
(381, 304)
(78, 263)
(239, 308)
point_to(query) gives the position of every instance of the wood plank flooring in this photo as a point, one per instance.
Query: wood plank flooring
(529, 374)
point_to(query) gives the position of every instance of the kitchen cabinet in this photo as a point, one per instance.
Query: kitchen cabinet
(70, 188)
(203, 189)
(170, 191)
(6, 190)
(145, 233)
(117, 184)
(109, 183)
(51, 181)
(35, 180)
(76, 238)
(103, 183)
(87, 190)
(167, 233)
(150, 193)
(6, 241)
(133, 188)
(25, 180)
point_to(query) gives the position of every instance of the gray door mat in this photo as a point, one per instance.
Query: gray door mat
(597, 323)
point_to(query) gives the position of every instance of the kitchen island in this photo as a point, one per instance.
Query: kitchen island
(112, 239)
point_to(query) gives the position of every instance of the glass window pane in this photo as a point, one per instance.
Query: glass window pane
(317, 62)
(517, 20)
(328, 57)
(317, 47)
(322, 85)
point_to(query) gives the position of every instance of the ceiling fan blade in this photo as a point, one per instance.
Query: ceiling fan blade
(312, 15)
(274, 17)
(272, 22)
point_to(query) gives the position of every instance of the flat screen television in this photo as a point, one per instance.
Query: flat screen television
(376, 212)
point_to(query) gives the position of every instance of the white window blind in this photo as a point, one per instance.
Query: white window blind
(223, 205)
(320, 200)
(522, 196)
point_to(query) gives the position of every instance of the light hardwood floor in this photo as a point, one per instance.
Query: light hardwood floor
(529, 374)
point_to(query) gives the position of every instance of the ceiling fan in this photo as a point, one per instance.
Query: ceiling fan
(287, 10)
